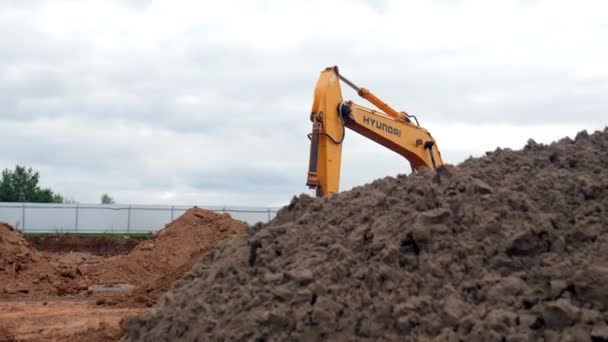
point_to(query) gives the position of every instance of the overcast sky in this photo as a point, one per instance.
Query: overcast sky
(207, 102)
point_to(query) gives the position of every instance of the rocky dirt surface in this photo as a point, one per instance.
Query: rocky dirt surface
(508, 247)
(46, 297)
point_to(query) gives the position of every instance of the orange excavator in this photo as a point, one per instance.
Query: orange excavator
(330, 116)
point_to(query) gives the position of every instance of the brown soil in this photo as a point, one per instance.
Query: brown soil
(28, 273)
(61, 320)
(507, 247)
(6, 335)
(153, 267)
(96, 245)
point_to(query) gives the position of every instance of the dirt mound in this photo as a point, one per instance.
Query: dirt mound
(154, 265)
(511, 246)
(24, 271)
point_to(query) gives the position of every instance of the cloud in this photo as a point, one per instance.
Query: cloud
(208, 102)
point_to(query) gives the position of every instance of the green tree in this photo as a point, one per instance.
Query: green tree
(106, 199)
(21, 185)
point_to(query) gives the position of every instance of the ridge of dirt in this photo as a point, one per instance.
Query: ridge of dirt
(27, 272)
(510, 246)
(158, 262)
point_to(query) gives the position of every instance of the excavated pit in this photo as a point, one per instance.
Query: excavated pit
(79, 296)
(508, 247)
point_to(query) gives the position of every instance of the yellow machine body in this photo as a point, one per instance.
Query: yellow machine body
(330, 116)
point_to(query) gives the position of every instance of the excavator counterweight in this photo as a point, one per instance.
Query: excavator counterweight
(330, 117)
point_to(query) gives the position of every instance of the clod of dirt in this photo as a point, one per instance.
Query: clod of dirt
(493, 249)
(6, 335)
(599, 334)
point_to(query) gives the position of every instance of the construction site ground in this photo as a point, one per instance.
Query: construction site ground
(507, 247)
(80, 288)
(59, 319)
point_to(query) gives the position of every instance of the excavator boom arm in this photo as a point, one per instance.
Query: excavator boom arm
(412, 142)
(331, 116)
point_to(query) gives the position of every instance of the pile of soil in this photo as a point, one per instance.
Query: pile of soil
(154, 265)
(24, 271)
(507, 247)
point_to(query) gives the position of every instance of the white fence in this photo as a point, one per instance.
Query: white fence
(111, 218)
